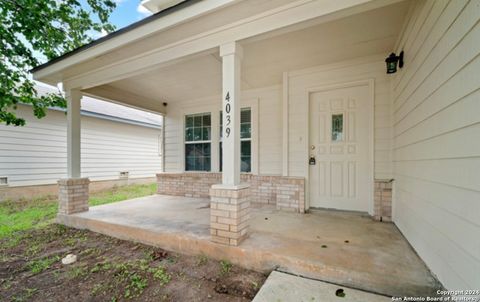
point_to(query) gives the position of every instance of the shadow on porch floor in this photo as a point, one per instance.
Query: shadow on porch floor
(338, 247)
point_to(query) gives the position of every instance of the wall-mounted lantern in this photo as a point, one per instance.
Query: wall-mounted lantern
(392, 61)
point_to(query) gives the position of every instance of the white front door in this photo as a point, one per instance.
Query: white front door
(340, 145)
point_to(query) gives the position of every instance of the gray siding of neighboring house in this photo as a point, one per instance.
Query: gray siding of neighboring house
(36, 154)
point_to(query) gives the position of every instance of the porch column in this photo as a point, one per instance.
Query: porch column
(231, 54)
(230, 201)
(73, 191)
(74, 98)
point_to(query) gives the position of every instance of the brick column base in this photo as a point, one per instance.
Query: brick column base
(229, 214)
(73, 195)
(383, 200)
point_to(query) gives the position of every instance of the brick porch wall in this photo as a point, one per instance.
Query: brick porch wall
(287, 193)
(383, 200)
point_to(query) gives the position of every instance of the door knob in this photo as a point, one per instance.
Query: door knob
(312, 160)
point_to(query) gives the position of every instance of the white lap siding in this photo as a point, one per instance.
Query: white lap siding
(36, 153)
(437, 139)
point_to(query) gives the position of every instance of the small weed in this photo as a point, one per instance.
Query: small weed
(33, 250)
(101, 267)
(182, 276)
(96, 289)
(82, 236)
(56, 274)
(77, 272)
(70, 241)
(254, 285)
(13, 241)
(25, 296)
(135, 287)
(87, 251)
(38, 266)
(148, 255)
(6, 283)
(160, 274)
(29, 292)
(143, 264)
(121, 269)
(104, 288)
(60, 229)
(225, 267)
(94, 252)
(5, 258)
(172, 259)
(202, 260)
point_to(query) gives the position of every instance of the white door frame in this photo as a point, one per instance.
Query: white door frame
(370, 83)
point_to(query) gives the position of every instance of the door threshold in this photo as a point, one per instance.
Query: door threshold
(320, 209)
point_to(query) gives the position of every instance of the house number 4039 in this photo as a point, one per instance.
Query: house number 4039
(227, 114)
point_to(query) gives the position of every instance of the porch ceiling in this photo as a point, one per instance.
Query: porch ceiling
(266, 57)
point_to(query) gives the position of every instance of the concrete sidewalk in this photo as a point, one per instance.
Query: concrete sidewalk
(282, 287)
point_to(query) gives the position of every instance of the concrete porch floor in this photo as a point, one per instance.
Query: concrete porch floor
(338, 247)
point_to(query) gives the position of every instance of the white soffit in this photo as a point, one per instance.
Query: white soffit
(366, 34)
(270, 19)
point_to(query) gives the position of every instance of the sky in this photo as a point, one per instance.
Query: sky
(128, 12)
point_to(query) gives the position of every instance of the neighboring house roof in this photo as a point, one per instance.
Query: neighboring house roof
(110, 111)
(121, 31)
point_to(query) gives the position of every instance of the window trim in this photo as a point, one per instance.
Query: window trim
(193, 142)
(215, 133)
(253, 104)
(213, 120)
(248, 139)
(162, 144)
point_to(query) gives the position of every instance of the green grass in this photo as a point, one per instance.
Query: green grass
(122, 193)
(38, 266)
(24, 215)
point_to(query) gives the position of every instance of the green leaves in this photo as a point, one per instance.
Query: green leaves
(34, 31)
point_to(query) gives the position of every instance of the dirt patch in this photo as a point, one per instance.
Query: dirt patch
(109, 269)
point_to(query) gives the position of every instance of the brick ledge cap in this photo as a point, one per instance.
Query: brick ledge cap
(231, 187)
(74, 181)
